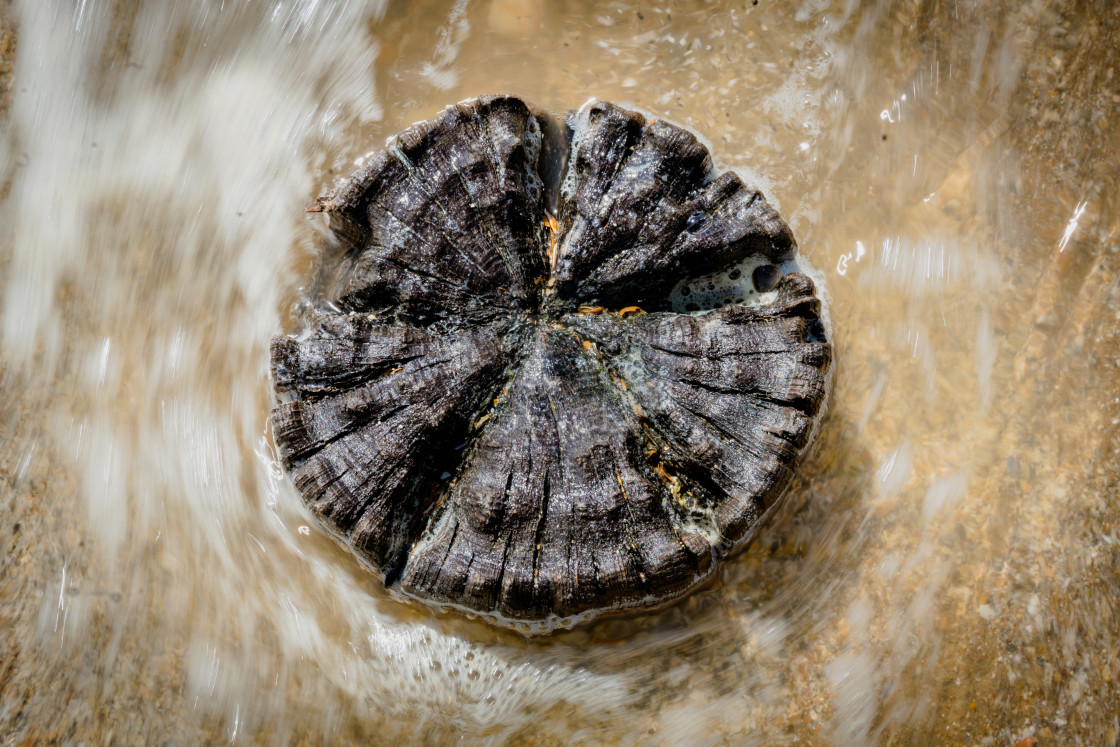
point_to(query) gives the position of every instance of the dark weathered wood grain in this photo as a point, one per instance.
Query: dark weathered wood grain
(558, 501)
(381, 412)
(646, 209)
(731, 395)
(479, 412)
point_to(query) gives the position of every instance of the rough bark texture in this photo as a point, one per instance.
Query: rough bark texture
(482, 413)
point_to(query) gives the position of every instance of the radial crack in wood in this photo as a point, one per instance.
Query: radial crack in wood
(365, 458)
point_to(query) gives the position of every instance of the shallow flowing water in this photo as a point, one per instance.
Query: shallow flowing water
(946, 567)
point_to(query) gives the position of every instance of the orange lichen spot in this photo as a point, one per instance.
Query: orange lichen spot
(587, 345)
(630, 310)
(553, 227)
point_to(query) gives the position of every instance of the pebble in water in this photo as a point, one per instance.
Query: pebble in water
(765, 278)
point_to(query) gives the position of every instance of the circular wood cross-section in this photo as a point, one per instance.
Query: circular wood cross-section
(522, 394)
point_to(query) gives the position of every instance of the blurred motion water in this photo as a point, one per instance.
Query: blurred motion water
(946, 568)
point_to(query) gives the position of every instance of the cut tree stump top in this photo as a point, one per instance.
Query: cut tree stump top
(501, 406)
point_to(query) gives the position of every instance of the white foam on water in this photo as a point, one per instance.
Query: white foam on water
(733, 285)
